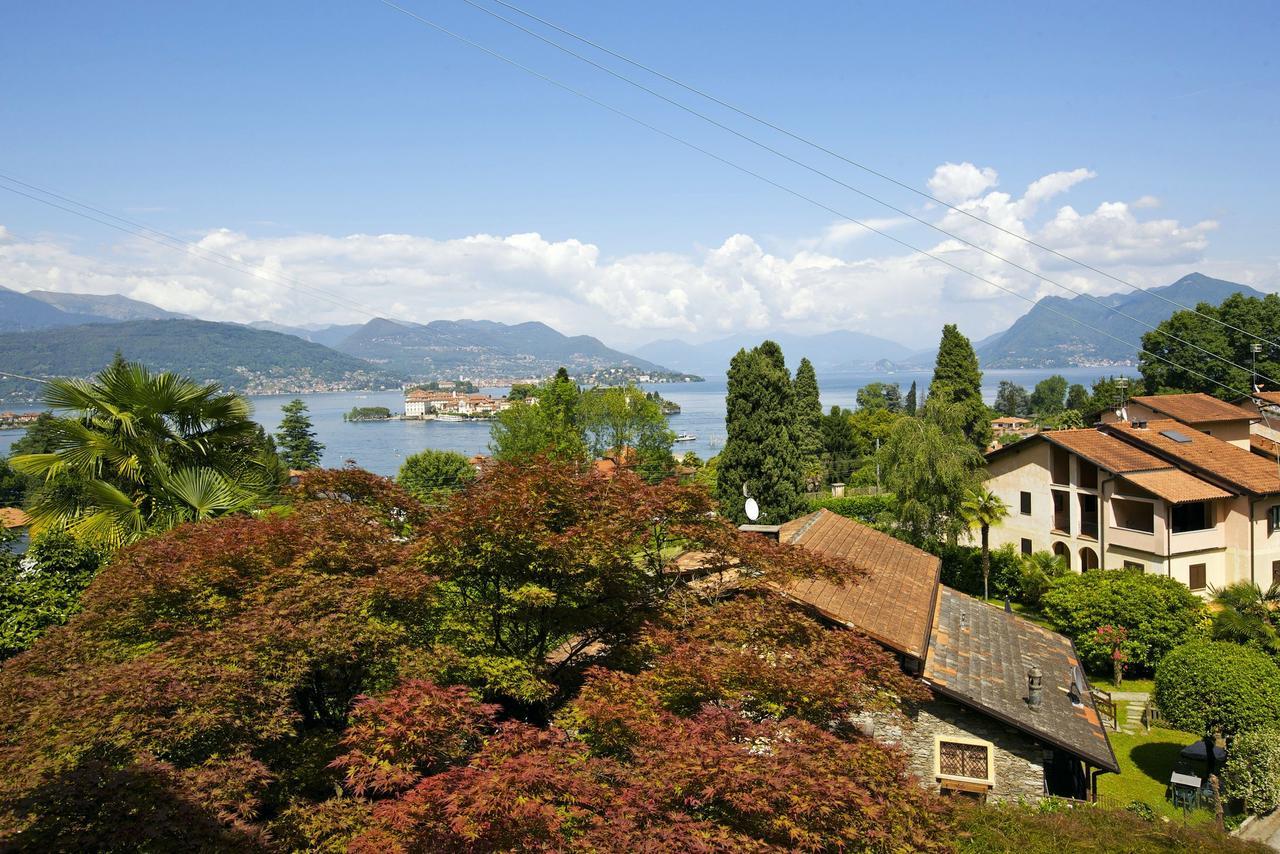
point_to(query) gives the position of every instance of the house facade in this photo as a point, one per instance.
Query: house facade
(1186, 499)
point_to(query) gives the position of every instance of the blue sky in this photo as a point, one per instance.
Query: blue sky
(283, 121)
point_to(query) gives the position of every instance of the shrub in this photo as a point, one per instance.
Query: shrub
(432, 476)
(868, 509)
(1210, 687)
(1252, 772)
(1157, 613)
(42, 588)
(962, 569)
(1036, 575)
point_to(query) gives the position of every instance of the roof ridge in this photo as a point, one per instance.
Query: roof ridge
(804, 529)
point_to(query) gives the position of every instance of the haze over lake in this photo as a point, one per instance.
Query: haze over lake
(382, 446)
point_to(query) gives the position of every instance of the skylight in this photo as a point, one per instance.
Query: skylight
(1176, 436)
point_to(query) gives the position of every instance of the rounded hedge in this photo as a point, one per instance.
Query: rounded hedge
(1210, 687)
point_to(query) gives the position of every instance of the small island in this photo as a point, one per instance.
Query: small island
(368, 413)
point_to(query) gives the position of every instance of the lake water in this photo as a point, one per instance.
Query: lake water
(381, 446)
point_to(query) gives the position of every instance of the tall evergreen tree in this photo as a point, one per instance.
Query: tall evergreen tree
(761, 449)
(912, 403)
(808, 417)
(958, 380)
(1012, 399)
(297, 439)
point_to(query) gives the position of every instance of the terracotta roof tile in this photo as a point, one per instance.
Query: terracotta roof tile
(1195, 408)
(13, 517)
(892, 603)
(1264, 446)
(1176, 485)
(1204, 454)
(1104, 451)
(979, 655)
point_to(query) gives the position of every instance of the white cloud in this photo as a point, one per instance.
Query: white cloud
(838, 279)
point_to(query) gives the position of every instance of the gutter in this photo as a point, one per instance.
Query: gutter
(1102, 520)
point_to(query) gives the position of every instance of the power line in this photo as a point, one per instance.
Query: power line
(902, 184)
(169, 241)
(902, 212)
(796, 193)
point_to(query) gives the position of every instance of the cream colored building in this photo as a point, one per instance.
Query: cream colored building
(1155, 494)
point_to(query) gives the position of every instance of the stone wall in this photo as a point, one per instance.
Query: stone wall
(1019, 759)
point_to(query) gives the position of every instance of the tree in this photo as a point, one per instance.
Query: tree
(1156, 611)
(1115, 638)
(1078, 399)
(546, 424)
(1200, 360)
(930, 468)
(1252, 772)
(1037, 573)
(147, 451)
(760, 452)
(1048, 397)
(620, 421)
(43, 588)
(910, 406)
(1214, 688)
(808, 420)
(1246, 614)
(1012, 400)
(957, 380)
(296, 439)
(981, 509)
(432, 476)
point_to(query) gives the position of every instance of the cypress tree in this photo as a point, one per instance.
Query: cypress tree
(297, 440)
(910, 407)
(761, 447)
(958, 380)
(808, 417)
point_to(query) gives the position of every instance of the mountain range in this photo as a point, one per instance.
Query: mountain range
(831, 351)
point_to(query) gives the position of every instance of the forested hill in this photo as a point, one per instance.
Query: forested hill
(1044, 338)
(240, 358)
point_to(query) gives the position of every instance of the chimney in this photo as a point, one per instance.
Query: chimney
(837, 490)
(1138, 424)
(1035, 686)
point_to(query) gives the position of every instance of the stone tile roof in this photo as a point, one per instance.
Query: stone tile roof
(893, 602)
(13, 517)
(1176, 485)
(1204, 454)
(979, 656)
(1104, 451)
(1198, 408)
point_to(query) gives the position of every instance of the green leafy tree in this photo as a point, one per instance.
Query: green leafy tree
(1049, 396)
(760, 451)
(1012, 400)
(1252, 772)
(148, 451)
(1156, 611)
(1078, 398)
(912, 403)
(958, 380)
(808, 420)
(43, 588)
(620, 421)
(930, 467)
(296, 438)
(1107, 392)
(1037, 573)
(982, 508)
(840, 448)
(545, 424)
(1170, 365)
(432, 476)
(1214, 688)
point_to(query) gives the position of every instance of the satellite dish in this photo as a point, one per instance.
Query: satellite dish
(752, 509)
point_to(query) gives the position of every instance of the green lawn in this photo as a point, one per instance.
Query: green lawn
(1146, 761)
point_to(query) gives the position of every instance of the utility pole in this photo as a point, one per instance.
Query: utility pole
(1254, 349)
(877, 465)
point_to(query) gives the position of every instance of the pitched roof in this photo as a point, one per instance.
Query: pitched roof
(1264, 446)
(1269, 396)
(13, 517)
(1197, 408)
(893, 602)
(1175, 485)
(1104, 451)
(979, 656)
(1205, 454)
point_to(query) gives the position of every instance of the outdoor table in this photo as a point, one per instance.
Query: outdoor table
(1184, 789)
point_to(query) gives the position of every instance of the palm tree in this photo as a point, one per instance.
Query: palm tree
(1247, 614)
(982, 508)
(147, 451)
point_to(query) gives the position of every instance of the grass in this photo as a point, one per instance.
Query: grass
(1146, 760)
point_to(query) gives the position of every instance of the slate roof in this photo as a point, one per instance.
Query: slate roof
(979, 656)
(893, 602)
(1204, 454)
(1176, 485)
(1197, 408)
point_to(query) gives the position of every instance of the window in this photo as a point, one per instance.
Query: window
(964, 758)
(1134, 515)
(1275, 572)
(1196, 516)
(1087, 474)
(1026, 503)
(1026, 546)
(1273, 519)
(1133, 564)
(1197, 580)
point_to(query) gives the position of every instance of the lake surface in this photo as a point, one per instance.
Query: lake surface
(381, 446)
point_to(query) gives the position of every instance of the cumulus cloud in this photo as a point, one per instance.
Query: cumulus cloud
(840, 278)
